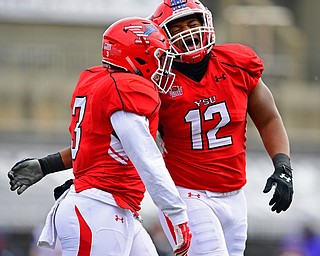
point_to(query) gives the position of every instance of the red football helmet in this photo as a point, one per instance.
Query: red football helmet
(197, 41)
(141, 47)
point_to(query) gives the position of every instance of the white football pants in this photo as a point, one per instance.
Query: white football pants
(91, 224)
(218, 222)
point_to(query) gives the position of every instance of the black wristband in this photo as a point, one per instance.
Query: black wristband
(51, 163)
(280, 160)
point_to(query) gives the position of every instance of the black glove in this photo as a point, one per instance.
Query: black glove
(24, 174)
(282, 179)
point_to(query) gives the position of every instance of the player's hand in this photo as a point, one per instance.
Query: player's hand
(24, 174)
(160, 143)
(282, 180)
(183, 239)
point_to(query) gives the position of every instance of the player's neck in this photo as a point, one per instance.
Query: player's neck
(194, 71)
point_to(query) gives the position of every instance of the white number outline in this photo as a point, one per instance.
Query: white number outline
(194, 118)
(79, 103)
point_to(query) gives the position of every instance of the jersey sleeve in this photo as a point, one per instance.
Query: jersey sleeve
(107, 93)
(251, 61)
(147, 159)
(135, 95)
(244, 58)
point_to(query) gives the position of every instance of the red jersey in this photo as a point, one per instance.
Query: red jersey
(99, 160)
(204, 123)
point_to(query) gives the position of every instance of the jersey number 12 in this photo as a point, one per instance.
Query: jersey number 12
(194, 118)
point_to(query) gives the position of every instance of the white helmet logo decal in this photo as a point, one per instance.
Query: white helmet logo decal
(141, 35)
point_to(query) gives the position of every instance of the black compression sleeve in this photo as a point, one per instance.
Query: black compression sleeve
(51, 163)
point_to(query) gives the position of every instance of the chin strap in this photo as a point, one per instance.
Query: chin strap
(135, 69)
(194, 58)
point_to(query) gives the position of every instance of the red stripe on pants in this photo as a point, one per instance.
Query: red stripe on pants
(85, 235)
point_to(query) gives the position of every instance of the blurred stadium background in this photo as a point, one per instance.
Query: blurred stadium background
(45, 44)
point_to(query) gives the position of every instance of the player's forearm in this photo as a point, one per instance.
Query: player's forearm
(275, 138)
(266, 117)
(66, 157)
(56, 162)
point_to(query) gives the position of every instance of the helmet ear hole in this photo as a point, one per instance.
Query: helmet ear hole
(140, 61)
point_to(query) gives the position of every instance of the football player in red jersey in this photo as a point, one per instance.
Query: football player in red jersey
(115, 113)
(203, 121)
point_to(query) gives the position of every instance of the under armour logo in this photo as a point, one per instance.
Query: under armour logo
(119, 219)
(223, 76)
(191, 195)
(284, 176)
(141, 35)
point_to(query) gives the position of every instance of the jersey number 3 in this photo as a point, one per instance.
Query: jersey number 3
(79, 103)
(194, 118)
